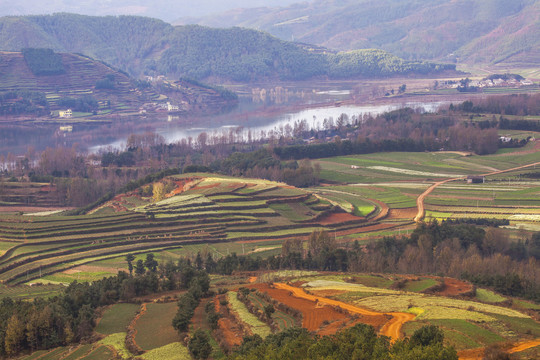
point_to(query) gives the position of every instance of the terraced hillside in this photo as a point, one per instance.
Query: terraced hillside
(177, 211)
(115, 92)
(78, 80)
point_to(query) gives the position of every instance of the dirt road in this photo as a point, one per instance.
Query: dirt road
(391, 329)
(478, 354)
(420, 200)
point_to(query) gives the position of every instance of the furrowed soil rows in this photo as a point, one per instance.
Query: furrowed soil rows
(231, 333)
(316, 313)
(391, 328)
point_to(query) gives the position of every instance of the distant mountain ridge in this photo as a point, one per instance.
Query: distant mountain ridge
(140, 45)
(471, 31)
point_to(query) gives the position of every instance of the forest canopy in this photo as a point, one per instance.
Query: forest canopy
(144, 46)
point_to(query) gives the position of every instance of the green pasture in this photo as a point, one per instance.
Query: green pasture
(116, 318)
(117, 341)
(154, 327)
(420, 284)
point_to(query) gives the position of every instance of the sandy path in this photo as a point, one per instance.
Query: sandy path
(524, 346)
(420, 200)
(391, 329)
(478, 354)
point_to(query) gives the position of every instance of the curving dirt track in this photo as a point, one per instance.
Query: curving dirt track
(524, 346)
(391, 329)
(420, 200)
(478, 354)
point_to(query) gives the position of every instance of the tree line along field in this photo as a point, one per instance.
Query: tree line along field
(168, 215)
(326, 303)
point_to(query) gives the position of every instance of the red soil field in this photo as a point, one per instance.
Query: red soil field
(316, 313)
(232, 333)
(391, 328)
(337, 218)
(454, 287)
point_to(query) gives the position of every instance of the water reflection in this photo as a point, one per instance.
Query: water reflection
(260, 111)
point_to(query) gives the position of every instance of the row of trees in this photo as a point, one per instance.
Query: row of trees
(70, 317)
(486, 257)
(358, 342)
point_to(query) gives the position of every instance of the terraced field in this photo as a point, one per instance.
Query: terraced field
(468, 323)
(194, 210)
(392, 182)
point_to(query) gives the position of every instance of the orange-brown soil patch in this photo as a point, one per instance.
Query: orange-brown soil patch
(454, 287)
(384, 210)
(478, 353)
(252, 279)
(230, 332)
(391, 328)
(337, 218)
(320, 317)
(406, 213)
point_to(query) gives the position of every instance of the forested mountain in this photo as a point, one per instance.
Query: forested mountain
(148, 46)
(484, 31)
(167, 10)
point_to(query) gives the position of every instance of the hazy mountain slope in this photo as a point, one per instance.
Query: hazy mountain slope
(167, 10)
(515, 41)
(411, 29)
(141, 45)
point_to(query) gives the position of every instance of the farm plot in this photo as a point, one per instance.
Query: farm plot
(116, 318)
(256, 326)
(154, 328)
(323, 319)
(280, 319)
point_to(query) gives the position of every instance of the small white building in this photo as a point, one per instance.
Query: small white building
(171, 107)
(65, 114)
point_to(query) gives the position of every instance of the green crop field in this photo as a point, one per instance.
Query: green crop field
(175, 351)
(256, 325)
(116, 318)
(118, 343)
(154, 327)
(420, 285)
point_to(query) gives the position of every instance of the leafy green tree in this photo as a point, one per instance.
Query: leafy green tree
(426, 336)
(199, 345)
(139, 267)
(150, 263)
(129, 259)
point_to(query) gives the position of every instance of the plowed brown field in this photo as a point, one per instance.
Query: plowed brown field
(338, 218)
(317, 313)
(455, 287)
(232, 333)
(406, 213)
(391, 328)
